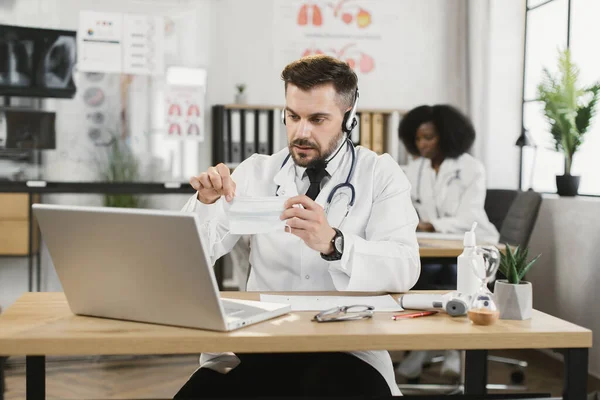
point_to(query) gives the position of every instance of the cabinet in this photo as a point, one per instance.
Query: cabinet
(14, 225)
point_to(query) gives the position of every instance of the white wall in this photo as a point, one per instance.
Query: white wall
(428, 71)
(430, 68)
(234, 40)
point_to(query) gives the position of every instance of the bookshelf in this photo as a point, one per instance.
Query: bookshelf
(240, 130)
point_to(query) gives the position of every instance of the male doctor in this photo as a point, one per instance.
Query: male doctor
(372, 248)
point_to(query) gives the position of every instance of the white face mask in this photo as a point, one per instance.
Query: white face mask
(256, 215)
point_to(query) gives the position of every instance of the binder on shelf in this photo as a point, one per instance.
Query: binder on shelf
(263, 132)
(272, 114)
(249, 129)
(393, 145)
(377, 133)
(365, 130)
(279, 132)
(235, 127)
(225, 157)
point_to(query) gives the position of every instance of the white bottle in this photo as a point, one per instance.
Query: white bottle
(467, 281)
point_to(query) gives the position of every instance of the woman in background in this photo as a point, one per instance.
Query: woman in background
(448, 184)
(448, 192)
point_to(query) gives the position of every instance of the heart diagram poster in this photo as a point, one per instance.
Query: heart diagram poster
(354, 31)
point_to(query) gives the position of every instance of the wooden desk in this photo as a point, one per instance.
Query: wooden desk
(41, 324)
(438, 248)
(445, 249)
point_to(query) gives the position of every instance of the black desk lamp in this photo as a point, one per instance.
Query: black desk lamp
(525, 140)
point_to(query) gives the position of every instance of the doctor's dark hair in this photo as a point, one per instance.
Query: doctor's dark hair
(455, 130)
(316, 70)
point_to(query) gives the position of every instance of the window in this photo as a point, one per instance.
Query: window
(548, 31)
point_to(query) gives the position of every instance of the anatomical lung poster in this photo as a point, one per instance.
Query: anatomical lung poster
(351, 30)
(185, 112)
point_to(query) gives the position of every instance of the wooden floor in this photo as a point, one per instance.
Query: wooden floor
(160, 377)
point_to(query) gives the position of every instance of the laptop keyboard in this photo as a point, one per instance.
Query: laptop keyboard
(233, 310)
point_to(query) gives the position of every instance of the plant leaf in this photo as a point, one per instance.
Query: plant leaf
(504, 261)
(587, 112)
(511, 275)
(528, 267)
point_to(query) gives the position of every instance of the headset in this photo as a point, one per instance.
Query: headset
(348, 124)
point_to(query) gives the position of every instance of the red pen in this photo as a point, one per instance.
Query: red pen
(414, 315)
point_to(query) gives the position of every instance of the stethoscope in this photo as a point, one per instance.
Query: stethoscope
(339, 186)
(420, 175)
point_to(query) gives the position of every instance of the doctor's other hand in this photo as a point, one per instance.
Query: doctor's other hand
(213, 184)
(425, 227)
(309, 223)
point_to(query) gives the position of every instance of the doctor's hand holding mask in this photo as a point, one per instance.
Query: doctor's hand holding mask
(213, 184)
(313, 142)
(448, 184)
(325, 207)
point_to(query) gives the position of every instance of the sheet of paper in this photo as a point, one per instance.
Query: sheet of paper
(100, 41)
(319, 303)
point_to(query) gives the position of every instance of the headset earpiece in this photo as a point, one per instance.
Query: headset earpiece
(350, 120)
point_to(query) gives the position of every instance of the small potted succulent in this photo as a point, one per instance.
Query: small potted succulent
(240, 96)
(514, 296)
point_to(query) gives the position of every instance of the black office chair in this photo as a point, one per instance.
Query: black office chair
(497, 204)
(2, 380)
(520, 220)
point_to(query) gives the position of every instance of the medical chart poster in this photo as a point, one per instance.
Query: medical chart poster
(143, 45)
(121, 43)
(184, 107)
(353, 31)
(100, 42)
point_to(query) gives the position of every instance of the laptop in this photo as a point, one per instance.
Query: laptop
(141, 265)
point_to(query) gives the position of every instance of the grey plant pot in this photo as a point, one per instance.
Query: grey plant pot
(514, 301)
(240, 98)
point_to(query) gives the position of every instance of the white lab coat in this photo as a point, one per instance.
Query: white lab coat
(454, 198)
(381, 252)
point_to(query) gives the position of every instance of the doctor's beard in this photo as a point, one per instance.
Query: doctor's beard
(321, 157)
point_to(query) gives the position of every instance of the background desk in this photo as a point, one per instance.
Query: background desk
(41, 324)
(438, 248)
(443, 251)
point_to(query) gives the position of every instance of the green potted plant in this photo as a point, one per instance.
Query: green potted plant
(569, 109)
(117, 163)
(240, 96)
(513, 295)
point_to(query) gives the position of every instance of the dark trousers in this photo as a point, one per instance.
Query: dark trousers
(2, 388)
(289, 374)
(436, 277)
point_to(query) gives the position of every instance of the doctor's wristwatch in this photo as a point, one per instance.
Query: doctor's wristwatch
(338, 247)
